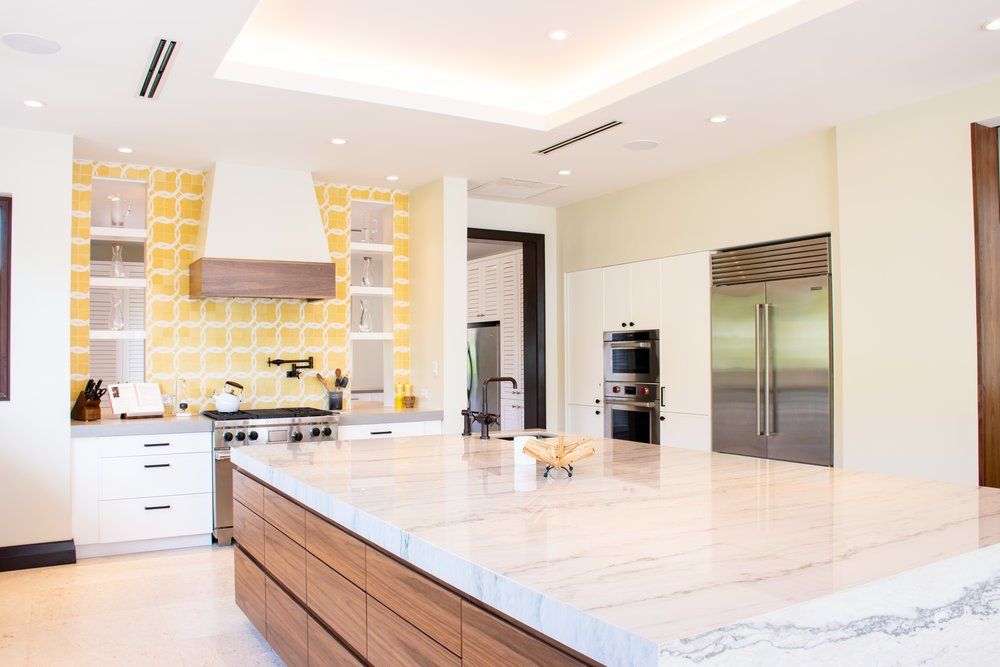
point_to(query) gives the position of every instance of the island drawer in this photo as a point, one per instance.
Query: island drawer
(144, 476)
(285, 560)
(374, 431)
(337, 602)
(248, 530)
(151, 518)
(150, 445)
(326, 651)
(285, 515)
(287, 627)
(393, 641)
(250, 584)
(488, 640)
(427, 605)
(248, 492)
(333, 546)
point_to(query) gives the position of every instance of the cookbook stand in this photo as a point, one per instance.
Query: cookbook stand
(136, 400)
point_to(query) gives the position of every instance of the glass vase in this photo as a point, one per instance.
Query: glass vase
(366, 271)
(117, 265)
(373, 230)
(116, 316)
(365, 322)
(120, 209)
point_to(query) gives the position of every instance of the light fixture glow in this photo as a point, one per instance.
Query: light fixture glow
(558, 35)
(718, 119)
(992, 25)
(124, 149)
(564, 172)
(392, 178)
(642, 144)
(338, 141)
(34, 104)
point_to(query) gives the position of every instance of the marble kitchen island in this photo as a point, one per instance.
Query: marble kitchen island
(659, 555)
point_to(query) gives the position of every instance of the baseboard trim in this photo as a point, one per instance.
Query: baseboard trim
(140, 546)
(24, 556)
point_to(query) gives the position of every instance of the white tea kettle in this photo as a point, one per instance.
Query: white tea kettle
(228, 400)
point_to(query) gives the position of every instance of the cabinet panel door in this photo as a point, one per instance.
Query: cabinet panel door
(474, 281)
(287, 626)
(489, 304)
(511, 321)
(645, 295)
(687, 431)
(585, 420)
(511, 414)
(686, 333)
(584, 330)
(617, 297)
(249, 588)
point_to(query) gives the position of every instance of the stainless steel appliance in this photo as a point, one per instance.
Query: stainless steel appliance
(248, 427)
(632, 412)
(632, 356)
(771, 355)
(482, 361)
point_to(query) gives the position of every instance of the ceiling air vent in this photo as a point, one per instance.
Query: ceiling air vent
(579, 137)
(513, 188)
(157, 66)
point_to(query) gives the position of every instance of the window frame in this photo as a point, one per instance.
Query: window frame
(6, 206)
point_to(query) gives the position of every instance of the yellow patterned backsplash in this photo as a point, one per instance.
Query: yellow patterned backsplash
(207, 341)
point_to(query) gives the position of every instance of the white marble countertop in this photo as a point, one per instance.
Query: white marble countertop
(645, 546)
(376, 413)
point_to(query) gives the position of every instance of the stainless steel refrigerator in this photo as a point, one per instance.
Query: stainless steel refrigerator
(771, 353)
(482, 361)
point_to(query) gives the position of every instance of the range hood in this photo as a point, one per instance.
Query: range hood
(261, 235)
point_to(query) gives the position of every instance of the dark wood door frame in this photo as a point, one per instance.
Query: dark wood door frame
(6, 236)
(986, 200)
(533, 257)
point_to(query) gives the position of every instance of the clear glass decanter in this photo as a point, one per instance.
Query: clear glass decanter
(365, 322)
(373, 230)
(117, 265)
(120, 209)
(116, 316)
(366, 271)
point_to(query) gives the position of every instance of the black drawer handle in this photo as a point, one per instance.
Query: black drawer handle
(157, 507)
(157, 465)
(380, 433)
(157, 444)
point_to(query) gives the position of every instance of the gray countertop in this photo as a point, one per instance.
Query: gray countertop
(110, 426)
(374, 413)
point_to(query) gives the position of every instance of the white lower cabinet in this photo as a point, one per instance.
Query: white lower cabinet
(689, 431)
(511, 414)
(395, 430)
(585, 420)
(156, 517)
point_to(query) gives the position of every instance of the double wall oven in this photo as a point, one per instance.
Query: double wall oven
(632, 392)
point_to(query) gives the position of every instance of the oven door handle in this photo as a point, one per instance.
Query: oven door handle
(642, 405)
(630, 346)
(222, 455)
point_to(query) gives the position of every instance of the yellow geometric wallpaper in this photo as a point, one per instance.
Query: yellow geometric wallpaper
(207, 341)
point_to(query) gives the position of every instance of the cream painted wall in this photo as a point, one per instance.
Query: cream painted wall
(908, 288)
(514, 217)
(36, 170)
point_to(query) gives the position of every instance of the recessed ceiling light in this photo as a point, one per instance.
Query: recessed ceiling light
(642, 144)
(33, 44)
(392, 178)
(558, 35)
(338, 141)
(34, 104)
(992, 25)
(564, 172)
(718, 119)
(124, 149)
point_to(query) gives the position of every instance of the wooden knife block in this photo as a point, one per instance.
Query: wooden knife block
(86, 410)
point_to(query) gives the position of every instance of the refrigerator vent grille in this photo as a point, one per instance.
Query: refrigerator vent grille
(778, 261)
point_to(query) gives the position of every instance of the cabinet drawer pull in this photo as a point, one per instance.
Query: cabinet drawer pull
(157, 507)
(380, 433)
(157, 444)
(157, 465)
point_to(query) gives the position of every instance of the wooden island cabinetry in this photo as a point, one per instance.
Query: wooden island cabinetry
(322, 596)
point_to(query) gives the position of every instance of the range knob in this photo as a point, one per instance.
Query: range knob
(297, 436)
(241, 436)
(327, 431)
(315, 432)
(253, 435)
(228, 437)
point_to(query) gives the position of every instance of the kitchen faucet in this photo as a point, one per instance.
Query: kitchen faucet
(484, 417)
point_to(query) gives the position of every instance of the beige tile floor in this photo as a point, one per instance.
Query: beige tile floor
(162, 608)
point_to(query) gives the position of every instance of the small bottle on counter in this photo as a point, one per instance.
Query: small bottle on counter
(399, 396)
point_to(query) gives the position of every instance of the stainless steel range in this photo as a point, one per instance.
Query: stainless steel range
(250, 427)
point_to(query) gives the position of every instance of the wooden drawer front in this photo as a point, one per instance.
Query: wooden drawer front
(248, 492)
(393, 641)
(338, 603)
(285, 560)
(156, 445)
(326, 651)
(431, 608)
(250, 584)
(488, 640)
(144, 476)
(248, 531)
(285, 515)
(370, 431)
(151, 518)
(287, 627)
(336, 548)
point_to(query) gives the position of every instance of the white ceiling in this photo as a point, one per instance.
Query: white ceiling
(868, 56)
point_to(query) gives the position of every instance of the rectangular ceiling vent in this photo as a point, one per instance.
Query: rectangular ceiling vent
(157, 67)
(579, 137)
(513, 188)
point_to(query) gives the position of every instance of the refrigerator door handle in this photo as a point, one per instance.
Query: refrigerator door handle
(756, 364)
(767, 370)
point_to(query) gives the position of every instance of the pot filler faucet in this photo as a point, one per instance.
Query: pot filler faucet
(484, 417)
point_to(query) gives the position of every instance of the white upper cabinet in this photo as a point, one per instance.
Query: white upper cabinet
(584, 330)
(631, 296)
(474, 280)
(511, 322)
(686, 334)
(483, 293)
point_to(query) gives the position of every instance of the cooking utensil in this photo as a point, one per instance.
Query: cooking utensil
(88, 391)
(326, 385)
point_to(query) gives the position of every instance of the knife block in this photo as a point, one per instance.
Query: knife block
(86, 410)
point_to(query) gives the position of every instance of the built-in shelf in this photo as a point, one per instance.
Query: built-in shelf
(118, 234)
(124, 334)
(361, 290)
(371, 248)
(124, 283)
(374, 335)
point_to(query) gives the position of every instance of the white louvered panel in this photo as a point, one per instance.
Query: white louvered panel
(512, 336)
(490, 302)
(117, 361)
(474, 281)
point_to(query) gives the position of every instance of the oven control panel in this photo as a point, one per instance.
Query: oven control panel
(637, 392)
